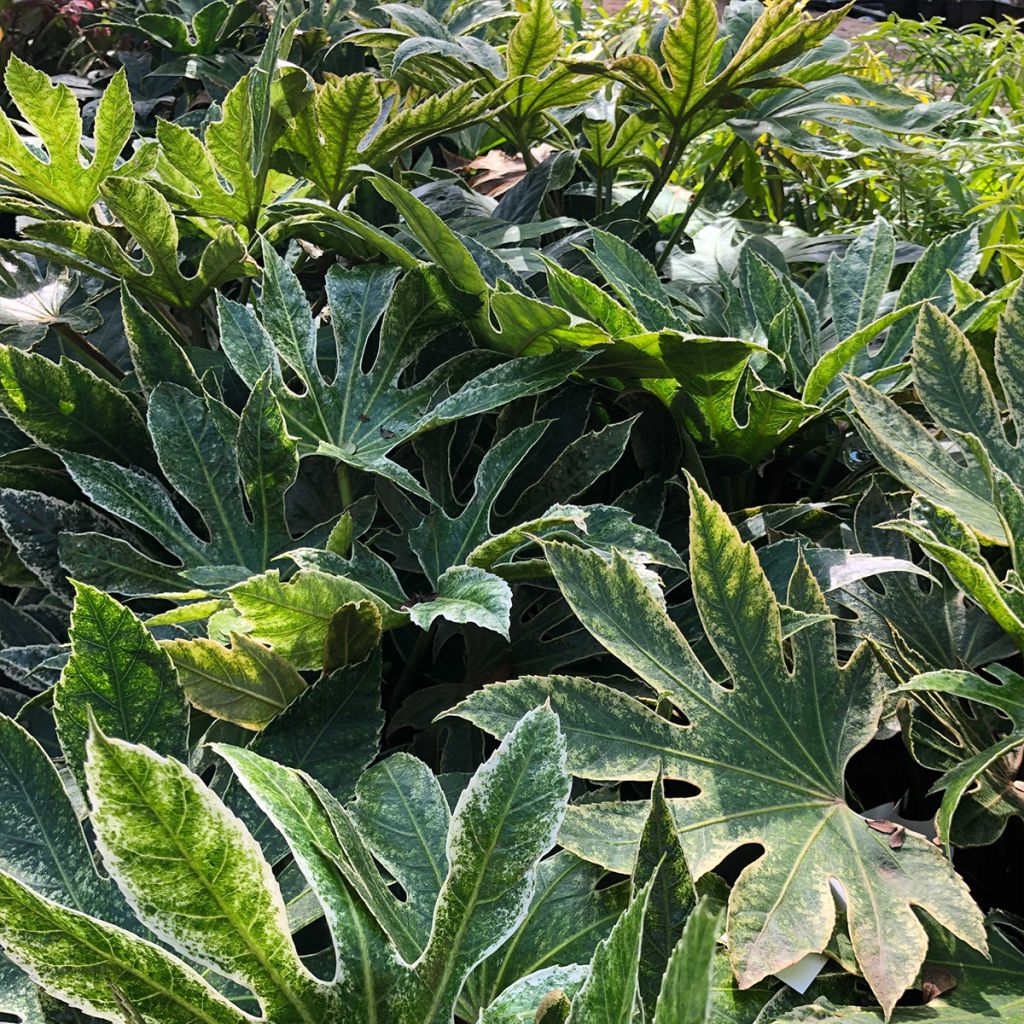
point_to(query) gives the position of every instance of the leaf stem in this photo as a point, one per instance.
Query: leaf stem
(344, 485)
(90, 351)
(695, 201)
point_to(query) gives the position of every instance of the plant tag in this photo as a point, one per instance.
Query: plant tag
(800, 975)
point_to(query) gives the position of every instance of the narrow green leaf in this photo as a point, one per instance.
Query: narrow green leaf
(505, 820)
(94, 966)
(686, 992)
(608, 996)
(660, 861)
(195, 876)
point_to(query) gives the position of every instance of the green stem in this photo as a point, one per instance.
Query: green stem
(695, 201)
(90, 351)
(344, 485)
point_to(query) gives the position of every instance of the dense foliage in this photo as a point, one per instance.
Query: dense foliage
(509, 513)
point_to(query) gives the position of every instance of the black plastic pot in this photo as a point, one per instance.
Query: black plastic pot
(967, 12)
(931, 9)
(1000, 9)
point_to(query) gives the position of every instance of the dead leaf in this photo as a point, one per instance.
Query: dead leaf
(496, 171)
(935, 981)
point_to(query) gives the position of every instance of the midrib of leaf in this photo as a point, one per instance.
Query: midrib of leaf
(753, 666)
(291, 997)
(214, 492)
(104, 955)
(440, 990)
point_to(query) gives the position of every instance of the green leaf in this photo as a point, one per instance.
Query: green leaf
(195, 876)
(608, 996)
(156, 355)
(660, 861)
(911, 454)
(768, 755)
(365, 961)
(246, 683)
(352, 634)
(65, 407)
(441, 541)
(362, 415)
(467, 595)
(332, 729)
(858, 280)
(571, 912)
(294, 618)
(52, 112)
(97, 967)
(535, 40)
(233, 471)
(117, 675)
(43, 840)
(504, 822)
(929, 280)
(403, 816)
(147, 217)
(952, 544)
(722, 403)
(327, 133)
(1007, 695)
(686, 992)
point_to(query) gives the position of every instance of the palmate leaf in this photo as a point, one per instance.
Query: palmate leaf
(698, 85)
(361, 415)
(768, 755)
(507, 320)
(356, 123)
(156, 270)
(403, 964)
(214, 178)
(233, 470)
(63, 180)
(959, 397)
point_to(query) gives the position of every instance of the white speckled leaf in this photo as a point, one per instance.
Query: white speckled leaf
(97, 967)
(195, 876)
(505, 821)
(768, 756)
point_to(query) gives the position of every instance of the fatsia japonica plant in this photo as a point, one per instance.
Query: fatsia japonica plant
(437, 586)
